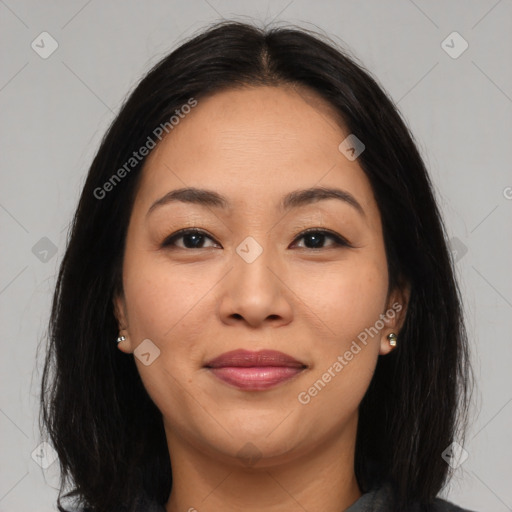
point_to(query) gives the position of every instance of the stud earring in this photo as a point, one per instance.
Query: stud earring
(392, 339)
(120, 338)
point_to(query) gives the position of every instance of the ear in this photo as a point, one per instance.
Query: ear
(394, 316)
(119, 304)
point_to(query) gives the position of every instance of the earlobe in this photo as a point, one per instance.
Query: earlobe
(388, 344)
(123, 340)
(394, 318)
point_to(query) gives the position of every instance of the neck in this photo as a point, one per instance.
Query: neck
(321, 478)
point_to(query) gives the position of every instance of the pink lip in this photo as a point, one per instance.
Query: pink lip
(254, 371)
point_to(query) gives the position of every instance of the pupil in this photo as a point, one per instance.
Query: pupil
(318, 237)
(196, 236)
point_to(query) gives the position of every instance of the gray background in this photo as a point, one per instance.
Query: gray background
(55, 110)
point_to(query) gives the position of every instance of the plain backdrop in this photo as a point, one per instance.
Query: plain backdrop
(56, 107)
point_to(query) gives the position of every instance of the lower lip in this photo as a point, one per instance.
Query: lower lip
(255, 378)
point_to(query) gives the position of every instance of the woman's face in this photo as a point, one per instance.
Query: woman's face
(253, 281)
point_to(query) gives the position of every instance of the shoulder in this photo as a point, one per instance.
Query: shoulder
(144, 504)
(381, 500)
(440, 505)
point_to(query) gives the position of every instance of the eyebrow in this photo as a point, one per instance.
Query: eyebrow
(294, 199)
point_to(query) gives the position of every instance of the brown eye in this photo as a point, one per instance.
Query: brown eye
(192, 239)
(315, 238)
(195, 239)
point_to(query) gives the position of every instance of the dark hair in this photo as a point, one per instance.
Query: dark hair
(106, 430)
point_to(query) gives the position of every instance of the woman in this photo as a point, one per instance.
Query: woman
(257, 309)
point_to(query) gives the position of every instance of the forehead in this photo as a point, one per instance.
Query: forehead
(255, 143)
(237, 122)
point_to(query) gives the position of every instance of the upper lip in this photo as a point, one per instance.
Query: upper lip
(247, 359)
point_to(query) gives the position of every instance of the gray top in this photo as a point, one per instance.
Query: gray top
(375, 501)
(379, 501)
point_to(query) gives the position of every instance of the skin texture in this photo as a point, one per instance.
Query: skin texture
(254, 145)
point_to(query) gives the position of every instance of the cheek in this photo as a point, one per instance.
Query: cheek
(347, 298)
(163, 302)
(168, 303)
(350, 309)
(161, 296)
(353, 296)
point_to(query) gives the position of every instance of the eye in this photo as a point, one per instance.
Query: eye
(316, 237)
(192, 239)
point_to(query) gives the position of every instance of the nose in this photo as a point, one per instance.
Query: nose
(255, 292)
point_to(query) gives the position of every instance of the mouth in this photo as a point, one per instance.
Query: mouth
(255, 371)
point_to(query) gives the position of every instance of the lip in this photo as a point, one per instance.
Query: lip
(255, 371)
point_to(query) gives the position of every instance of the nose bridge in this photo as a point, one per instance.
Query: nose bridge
(251, 261)
(253, 291)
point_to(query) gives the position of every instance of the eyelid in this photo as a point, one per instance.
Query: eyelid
(338, 239)
(186, 231)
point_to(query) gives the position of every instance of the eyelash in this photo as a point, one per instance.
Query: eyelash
(338, 239)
